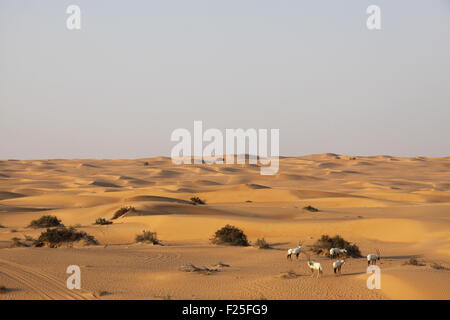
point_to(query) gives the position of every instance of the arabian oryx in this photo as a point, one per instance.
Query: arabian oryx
(372, 258)
(295, 251)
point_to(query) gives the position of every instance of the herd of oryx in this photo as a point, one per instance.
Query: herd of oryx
(334, 253)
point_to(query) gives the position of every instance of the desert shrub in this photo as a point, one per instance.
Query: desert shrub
(3, 289)
(438, 266)
(204, 270)
(262, 244)
(61, 235)
(146, 163)
(122, 211)
(16, 243)
(197, 200)
(311, 209)
(413, 262)
(102, 221)
(230, 235)
(2, 226)
(325, 243)
(147, 236)
(13, 230)
(45, 222)
(99, 293)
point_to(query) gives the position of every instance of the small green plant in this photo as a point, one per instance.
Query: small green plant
(325, 243)
(56, 237)
(197, 200)
(310, 209)
(45, 222)
(122, 211)
(147, 236)
(102, 221)
(262, 244)
(230, 235)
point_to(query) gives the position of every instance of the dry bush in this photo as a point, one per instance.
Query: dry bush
(310, 209)
(3, 289)
(262, 244)
(230, 235)
(99, 293)
(438, 266)
(203, 270)
(122, 211)
(45, 222)
(197, 200)
(102, 221)
(413, 262)
(56, 237)
(16, 243)
(325, 243)
(147, 236)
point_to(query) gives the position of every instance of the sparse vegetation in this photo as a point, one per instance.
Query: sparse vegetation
(438, 266)
(45, 222)
(262, 244)
(3, 289)
(197, 200)
(102, 221)
(16, 243)
(413, 262)
(2, 226)
(99, 293)
(325, 243)
(13, 230)
(56, 237)
(122, 211)
(146, 163)
(203, 270)
(230, 235)
(310, 209)
(147, 236)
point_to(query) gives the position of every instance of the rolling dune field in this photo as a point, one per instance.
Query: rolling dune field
(400, 206)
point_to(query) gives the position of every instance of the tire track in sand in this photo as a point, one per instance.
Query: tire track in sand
(47, 287)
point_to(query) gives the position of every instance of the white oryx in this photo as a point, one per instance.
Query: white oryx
(314, 266)
(372, 258)
(295, 251)
(336, 252)
(337, 265)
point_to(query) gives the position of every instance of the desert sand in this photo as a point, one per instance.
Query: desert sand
(400, 206)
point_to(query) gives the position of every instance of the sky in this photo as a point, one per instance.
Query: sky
(138, 70)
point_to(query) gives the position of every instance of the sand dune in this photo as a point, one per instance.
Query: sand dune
(397, 205)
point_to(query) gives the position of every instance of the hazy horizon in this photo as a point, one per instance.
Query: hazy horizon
(136, 71)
